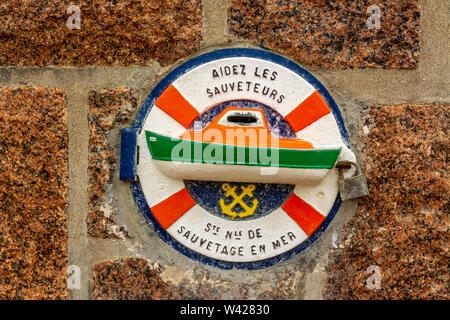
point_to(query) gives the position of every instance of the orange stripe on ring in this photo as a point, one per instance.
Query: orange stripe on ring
(172, 102)
(172, 208)
(307, 112)
(303, 214)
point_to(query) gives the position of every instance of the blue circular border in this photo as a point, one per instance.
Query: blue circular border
(136, 188)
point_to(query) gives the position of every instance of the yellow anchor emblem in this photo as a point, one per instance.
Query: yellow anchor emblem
(231, 191)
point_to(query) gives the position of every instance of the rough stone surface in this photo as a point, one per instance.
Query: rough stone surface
(33, 193)
(35, 33)
(332, 34)
(106, 108)
(129, 279)
(403, 226)
(138, 279)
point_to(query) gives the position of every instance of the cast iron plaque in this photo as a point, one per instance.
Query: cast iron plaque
(237, 154)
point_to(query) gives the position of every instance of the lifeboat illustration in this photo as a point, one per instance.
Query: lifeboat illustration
(238, 145)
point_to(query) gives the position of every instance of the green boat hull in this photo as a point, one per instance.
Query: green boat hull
(176, 149)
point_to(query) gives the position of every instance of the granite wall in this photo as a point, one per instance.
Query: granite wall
(33, 193)
(72, 76)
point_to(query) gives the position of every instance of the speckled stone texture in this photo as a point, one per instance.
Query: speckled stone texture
(331, 34)
(403, 226)
(137, 279)
(33, 193)
(129, 279)
(34, 33)
(108, 109)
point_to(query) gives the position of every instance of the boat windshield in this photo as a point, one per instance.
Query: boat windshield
(242, 118)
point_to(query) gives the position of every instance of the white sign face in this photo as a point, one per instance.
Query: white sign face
(237, 155)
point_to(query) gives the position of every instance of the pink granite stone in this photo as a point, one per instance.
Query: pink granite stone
(403, 225)
(33, 193)
(331, 34)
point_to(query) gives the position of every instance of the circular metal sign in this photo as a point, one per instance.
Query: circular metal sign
(237, 153)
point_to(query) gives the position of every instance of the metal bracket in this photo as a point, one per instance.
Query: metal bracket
(128, 154)
(352, 187)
